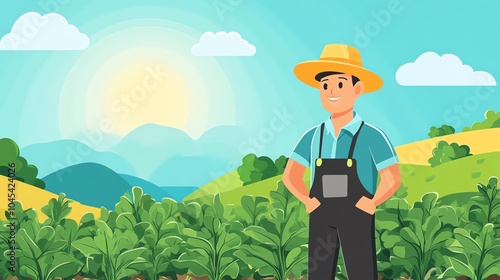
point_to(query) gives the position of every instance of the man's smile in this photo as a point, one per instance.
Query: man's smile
(333, 99)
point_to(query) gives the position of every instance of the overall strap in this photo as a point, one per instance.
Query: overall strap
(354, 139)
(321, 139)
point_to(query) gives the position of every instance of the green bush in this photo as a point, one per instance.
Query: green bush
(491, 120)
(255, 169)
(280, 163)
(441, 131)
(445, 152)
(9, 153)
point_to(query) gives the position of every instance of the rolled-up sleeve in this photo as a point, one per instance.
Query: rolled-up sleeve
(382, 150)
(302, 151)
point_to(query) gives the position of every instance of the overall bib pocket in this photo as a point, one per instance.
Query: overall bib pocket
(335, 185)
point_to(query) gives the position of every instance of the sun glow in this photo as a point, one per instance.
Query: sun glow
(139, 76)
(146, 92)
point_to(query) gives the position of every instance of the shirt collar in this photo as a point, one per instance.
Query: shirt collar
(352, 127)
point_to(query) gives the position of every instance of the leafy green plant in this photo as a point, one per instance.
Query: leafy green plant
(476, 258)
(210, 251)
(391, 218)
(445, 152)
(68, 229)
(39, 250)
(116, 257)
(281, 237)
(485, 208)
(251, 211)
(40, 257)
(191, 215)
(138, 204)
(422, 240)
(441, 131)
(163, 241)
(56, 210)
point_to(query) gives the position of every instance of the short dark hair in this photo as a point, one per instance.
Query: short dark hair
(324, 74)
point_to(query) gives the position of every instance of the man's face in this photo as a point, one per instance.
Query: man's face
(338, 94)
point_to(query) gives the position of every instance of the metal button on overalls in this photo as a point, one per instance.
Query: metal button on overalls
(337, 221)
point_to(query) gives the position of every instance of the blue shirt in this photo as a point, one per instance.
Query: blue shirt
(373, 150)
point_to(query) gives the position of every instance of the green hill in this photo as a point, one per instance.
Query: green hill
(459, 176)
(225, 183)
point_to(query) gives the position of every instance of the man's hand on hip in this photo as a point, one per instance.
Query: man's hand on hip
(366, 205)
(311, 204)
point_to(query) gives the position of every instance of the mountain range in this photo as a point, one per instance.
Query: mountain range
(161, 155)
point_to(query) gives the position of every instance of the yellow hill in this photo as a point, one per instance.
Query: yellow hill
(480, 142)
(36, 198)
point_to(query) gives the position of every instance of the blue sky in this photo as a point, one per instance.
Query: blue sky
(51, 95)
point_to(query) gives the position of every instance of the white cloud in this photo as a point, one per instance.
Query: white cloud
(222, 44)
(430, 69)
(49, 32)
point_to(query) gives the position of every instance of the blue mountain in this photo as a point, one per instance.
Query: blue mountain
(148, 146)
(156, 150)
(53, 156)
(88, 183)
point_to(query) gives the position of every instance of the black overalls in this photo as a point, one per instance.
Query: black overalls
(337, 221)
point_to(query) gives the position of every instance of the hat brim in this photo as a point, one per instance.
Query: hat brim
(307, 71)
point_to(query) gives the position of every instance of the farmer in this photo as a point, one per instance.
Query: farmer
(345, 155)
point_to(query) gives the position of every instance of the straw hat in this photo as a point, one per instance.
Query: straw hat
(338, 58)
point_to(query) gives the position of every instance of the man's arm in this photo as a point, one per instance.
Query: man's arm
(293, 180)
(390, 181)
(385, 160)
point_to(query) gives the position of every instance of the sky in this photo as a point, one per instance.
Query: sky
(138, 67)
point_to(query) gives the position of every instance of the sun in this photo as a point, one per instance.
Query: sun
(137, 76)
(146, 92)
